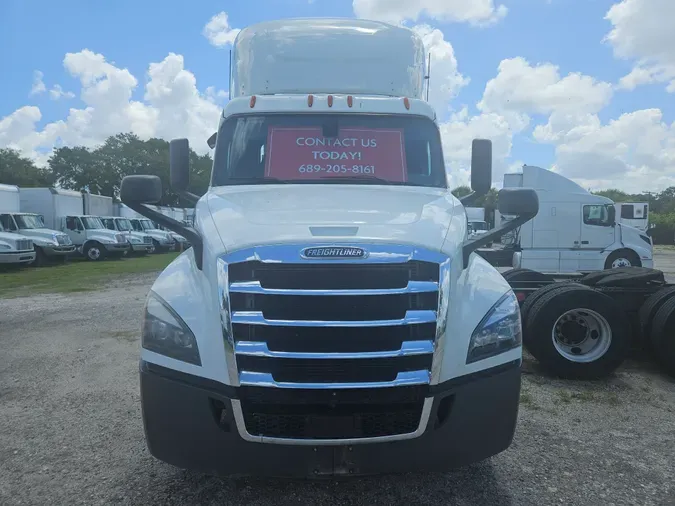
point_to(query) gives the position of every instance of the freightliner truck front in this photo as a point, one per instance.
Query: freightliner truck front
(332, 317)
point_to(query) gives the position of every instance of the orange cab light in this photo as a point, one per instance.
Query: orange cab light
(330, 100)
(310, 100)
(253, 99)
(406, 102)
(350, 101)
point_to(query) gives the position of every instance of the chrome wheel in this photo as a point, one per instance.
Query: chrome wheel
(582, 335)
(94, 253)
(621, 262)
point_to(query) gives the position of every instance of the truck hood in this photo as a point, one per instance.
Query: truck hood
(251, 215)
(11, 237)
(45, 234)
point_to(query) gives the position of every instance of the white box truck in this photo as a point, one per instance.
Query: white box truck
(49, 244)
(64, 210)
(574, 231)
(331, 317)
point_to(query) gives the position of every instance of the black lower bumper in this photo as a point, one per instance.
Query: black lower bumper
(472, 418)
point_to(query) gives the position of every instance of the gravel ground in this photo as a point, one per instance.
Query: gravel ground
(71, 433)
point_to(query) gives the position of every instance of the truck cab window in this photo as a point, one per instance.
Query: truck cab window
(627, 211)
(108, 223)
(596, 215)
(7, 222)
(73, 223)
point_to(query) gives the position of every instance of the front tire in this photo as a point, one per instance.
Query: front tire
(94, 252)
(623, 258)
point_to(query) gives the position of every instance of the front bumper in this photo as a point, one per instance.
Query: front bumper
(59, 251)
(117, 247)
(141, 247)
(472, 418)
(14, 257)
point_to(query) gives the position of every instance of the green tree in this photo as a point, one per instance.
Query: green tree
(21, 171)
(102, 169)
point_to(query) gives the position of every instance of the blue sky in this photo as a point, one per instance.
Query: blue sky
(35, 35)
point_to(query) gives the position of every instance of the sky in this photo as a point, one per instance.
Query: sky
(582, 87)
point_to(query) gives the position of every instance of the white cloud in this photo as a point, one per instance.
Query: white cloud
(475, 12)
(461, 129)
(634, 152)
(172, 107)
(218, 30)
(520, 89)
(446, 80)
(38, 85)
(642, 30)
(57, 93)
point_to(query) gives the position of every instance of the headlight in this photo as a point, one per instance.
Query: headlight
(498, 332)
(134, 240)
(5, 246)
(164, 332)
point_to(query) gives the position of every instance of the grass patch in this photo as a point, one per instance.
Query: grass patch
(77, 275)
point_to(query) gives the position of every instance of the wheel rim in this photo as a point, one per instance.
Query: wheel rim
(621, 262)
(582, 335)
(94, 253)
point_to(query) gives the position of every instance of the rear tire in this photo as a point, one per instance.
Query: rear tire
(578, 333)
(649, 309)
(663, 336)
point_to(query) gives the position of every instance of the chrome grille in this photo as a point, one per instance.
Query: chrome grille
(24, 244)
(339, 325)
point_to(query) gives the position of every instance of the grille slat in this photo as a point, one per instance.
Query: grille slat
(360, 325)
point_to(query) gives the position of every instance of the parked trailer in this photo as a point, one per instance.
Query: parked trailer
(583, 327)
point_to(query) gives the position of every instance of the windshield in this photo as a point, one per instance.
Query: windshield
(92, 223)
(123, 224)
(136, 225)
(108, 223)
(147, 225)
(344, 149)
(28, 221)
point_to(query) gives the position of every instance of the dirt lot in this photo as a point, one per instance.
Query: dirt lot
(70, 428)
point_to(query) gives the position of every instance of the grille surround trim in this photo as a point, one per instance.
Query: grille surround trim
(240, 423)
(377, 253)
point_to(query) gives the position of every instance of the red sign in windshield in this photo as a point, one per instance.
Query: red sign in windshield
(304, 153)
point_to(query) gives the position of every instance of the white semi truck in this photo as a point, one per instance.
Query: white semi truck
(64, 210)
(331, 317)
(575, 231)
(49, 244)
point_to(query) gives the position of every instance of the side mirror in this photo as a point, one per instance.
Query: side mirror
(518, 202)
(211, 141)
(481, 170)
(481, 166)
(611, 211)
(140, 190)
(179, 162)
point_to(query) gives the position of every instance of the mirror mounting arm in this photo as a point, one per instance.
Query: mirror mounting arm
(175, 226)
(190, 197)
(470, 198)
(483, 240)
